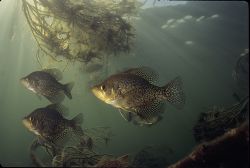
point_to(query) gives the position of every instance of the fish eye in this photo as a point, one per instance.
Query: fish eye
(31, 119)
(103, 87)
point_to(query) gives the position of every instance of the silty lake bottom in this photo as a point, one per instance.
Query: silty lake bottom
(198, 41)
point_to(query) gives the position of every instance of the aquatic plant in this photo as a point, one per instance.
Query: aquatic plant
(68, 156)
(80, 153)
(73, 156)
(81, 30)
(217, 120)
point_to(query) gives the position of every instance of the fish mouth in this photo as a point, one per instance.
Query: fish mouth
(103, 96)
(24, 82)
(96, 92)
(27, 123)
(99, 93)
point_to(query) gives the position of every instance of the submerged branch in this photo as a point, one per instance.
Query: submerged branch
(228, 150)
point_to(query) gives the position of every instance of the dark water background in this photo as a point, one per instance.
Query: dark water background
(205, 65)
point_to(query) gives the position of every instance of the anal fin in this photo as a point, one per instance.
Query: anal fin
(66, 137)
(150, 114)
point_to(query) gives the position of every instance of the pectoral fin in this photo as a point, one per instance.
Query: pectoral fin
(126, 115)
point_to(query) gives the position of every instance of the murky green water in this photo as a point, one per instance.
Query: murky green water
(202, 50)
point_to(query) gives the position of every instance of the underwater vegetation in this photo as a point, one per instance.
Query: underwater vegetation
(87, 32)
(217, 120)
(224, 131)
(68, 156)
(75, 156)
(82, 30)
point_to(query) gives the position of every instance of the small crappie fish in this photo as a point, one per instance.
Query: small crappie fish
(46, 83)
(133, 91)
(49, 123)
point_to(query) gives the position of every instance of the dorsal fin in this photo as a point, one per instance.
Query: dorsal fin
(56, 73)
(144, 72)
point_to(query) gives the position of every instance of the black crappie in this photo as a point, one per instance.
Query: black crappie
(133, 91)
(49, 123)
(46, 83)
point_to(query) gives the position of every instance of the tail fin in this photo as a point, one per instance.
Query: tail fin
(174, 94)
(68, 88)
